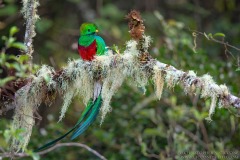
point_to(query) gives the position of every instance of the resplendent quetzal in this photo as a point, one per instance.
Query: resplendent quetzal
(89, 45)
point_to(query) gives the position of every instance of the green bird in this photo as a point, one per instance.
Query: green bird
(89, 46)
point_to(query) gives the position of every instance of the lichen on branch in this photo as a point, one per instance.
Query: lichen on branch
(135, 63)
(29, 11)
(77, 79)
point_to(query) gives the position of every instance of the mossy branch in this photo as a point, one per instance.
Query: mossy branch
(77, 79)
(135, 63)
(29, 11)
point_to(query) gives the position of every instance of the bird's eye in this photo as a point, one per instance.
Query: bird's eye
(88, 30)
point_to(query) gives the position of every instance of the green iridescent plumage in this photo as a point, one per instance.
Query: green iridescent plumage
(88, 34)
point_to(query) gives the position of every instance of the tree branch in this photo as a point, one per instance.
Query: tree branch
(30, 14)
(21, 155)
(210, 37)
(77, 79)
(199, 82)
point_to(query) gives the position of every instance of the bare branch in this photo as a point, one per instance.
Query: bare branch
(21, 155)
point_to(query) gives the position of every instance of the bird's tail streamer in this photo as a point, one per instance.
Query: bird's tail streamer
(90, 113)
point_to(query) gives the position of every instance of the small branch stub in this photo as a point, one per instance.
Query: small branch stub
(135, 24)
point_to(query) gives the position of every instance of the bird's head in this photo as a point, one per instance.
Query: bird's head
(88, 29)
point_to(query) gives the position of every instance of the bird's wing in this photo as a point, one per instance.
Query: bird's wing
(101, 46)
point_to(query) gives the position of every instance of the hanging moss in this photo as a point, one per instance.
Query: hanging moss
(158, 79)
(79, 78)
(27, 100)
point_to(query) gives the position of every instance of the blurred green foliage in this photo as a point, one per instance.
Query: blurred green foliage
(11, 66)
(139, 126)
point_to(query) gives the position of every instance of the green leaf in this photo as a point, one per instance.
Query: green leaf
(19, 45)
(7, 134)
(12, 57)
(144, 148)
(210, 35)
(9, 65)
(152, 132)
(219, 35)
(5, 80)
(10, 41)
(4, 38)
(3, 58)
(34, 155)
(238, 69)
(173, 100)
(16, 66)
(13, 30)
(23, 58)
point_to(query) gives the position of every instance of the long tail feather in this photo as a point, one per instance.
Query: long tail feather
(84, 114)
(90, 119)
(49, 144)
(85, 111)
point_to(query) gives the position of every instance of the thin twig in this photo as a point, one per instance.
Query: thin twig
(215, 40)
(192, 136)
(204, 132)
(20, 155)
(140, 105)
(2, 150)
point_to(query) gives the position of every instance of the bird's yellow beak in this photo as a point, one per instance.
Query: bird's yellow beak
(96, 31)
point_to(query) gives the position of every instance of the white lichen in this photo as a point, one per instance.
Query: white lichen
(22, 119)
(189, 86)
(131, 48)
(75, 80)
(224, 92)
(207, 83)
(111, 83)
(29, 11)
(172, 78)
(78, 79)
(147, 42)
(26, 101)
(158, 79)
(68, 96)
(210, 90)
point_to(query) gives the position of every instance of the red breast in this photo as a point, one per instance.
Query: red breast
(88, 53)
